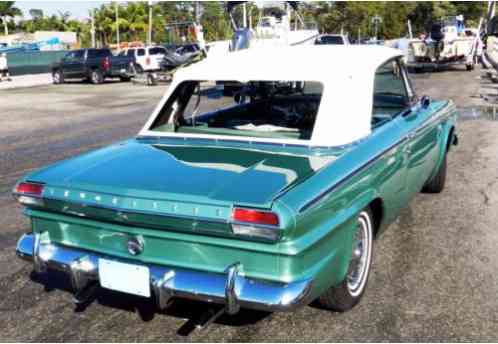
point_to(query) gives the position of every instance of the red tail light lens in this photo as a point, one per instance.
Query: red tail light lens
(253, 216)
(106, 63)
(29, 194)
(31, 189)
(147, 61)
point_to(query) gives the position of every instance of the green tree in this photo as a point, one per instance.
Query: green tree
(214, 21)
(7, 10)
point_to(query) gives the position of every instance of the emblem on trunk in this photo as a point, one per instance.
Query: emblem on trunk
(135, 245)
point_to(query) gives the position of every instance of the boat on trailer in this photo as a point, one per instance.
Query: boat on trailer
(447, 44)
(277, 25)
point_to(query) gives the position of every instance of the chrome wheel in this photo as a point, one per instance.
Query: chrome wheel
(57, 77)
(359, 265)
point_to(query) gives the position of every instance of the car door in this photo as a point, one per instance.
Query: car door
(78, 64)
(67, 64)
(423, 134)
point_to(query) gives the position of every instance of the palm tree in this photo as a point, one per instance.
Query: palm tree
(7, 9)
(136, 16)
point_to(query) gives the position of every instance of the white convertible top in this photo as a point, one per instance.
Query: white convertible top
(346, 73)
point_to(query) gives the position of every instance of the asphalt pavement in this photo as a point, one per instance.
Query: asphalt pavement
(434, 270)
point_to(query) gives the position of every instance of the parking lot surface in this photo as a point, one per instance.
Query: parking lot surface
(434, 270)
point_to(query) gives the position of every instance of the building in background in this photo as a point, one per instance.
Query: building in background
(39, 40)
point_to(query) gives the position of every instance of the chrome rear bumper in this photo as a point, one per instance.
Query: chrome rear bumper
(229, 288)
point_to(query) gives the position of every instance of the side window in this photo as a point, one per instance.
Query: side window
(390, 94)
(141, 52)
(157, 51)
(79, 54)
(103, 53)
(69, 56)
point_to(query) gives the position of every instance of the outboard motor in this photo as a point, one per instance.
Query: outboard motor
(437, 35)
(241, 39)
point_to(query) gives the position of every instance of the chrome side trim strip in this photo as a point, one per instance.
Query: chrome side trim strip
(361, 168)
(446, 113)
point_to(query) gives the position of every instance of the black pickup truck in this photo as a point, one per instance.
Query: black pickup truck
(92, 64)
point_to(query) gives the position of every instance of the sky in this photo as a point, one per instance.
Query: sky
(78, 9)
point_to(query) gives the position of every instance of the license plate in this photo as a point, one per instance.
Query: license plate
(123, 70)
(127, 278)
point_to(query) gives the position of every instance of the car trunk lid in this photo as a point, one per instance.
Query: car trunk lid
(143, 182)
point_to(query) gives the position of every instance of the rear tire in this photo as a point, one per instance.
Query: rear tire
(349, 292)
(57, 77)
(138, 68)
(436, 184)
(96, 77)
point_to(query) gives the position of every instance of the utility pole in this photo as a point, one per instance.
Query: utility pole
(149, 36)
(5, 25)
(491, 10)
(92, 30)
(244, 15)
(117, 26)
(410, 33)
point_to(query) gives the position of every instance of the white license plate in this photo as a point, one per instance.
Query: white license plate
(123, 70)
(127, 278)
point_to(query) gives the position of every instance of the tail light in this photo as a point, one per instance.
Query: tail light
(147, 61)
(29, 193)
(255, 223)
(106, 63)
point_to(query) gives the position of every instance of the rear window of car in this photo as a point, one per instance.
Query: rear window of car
(330, 40)
(263, 109)
(157, 51)
(140, 52)
(79, 54)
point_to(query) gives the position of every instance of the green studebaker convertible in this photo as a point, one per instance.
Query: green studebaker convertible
(260, 181)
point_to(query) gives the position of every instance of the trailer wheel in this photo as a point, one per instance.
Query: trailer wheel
(469, 67)
(151, 79)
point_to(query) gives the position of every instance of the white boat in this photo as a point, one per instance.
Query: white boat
(448, 44)
(278, 25)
